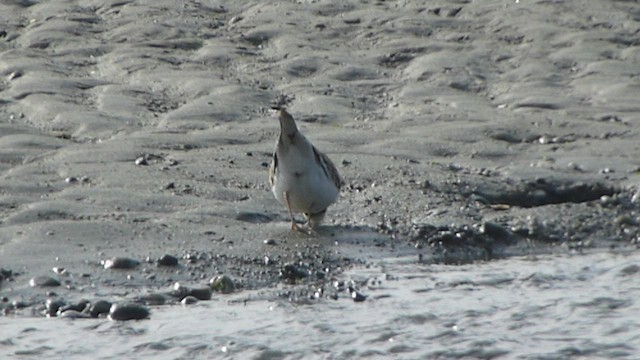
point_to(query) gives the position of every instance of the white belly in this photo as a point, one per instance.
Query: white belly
(308, 188)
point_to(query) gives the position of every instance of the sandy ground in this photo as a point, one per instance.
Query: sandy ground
(463, 130)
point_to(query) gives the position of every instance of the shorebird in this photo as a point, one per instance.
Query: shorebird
(301, 177)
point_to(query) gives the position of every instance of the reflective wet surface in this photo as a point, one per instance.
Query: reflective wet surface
(535, 307)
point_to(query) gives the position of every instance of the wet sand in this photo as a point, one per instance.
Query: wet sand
(464, 130)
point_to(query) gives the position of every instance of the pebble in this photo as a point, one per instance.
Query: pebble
(180, 291)
(153, 299)
(203, 293)
(356, 295)
(43, 281)
(128, 311)
(79, 307)
(141, 161)
(52, 306)
(120, 263)
(73, 314)
(19, 304)
(625, 220)
(222, 284)
(189, 300)
(5, 274)
(59, 270)
(16, 74)
(99, 307)
(494, 231)
(630, 270)
(292, 273)
(269, 241)
(168, 260)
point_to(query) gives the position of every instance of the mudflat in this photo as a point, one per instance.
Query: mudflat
(464, 130)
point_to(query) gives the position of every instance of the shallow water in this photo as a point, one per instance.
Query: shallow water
(537, 307)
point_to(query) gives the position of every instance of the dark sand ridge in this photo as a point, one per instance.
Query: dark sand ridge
(439, 115)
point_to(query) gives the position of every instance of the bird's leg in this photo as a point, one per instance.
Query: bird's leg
(294, 226)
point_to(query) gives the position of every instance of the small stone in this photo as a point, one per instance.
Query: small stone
(235, 19)
(291, 273)
(356, 295)
(71, 180)
(128, 311)
(630, 270)
(495, 231)
(120, 263)
(200, 293)
(16, 74)
(625, 220)
(606, 200)
(153, 299)
(79, 307)
(99, 307)
(222, 284)
(5, 274)
(52, 306)
(168, 260)
(18, 304)
(180, 291)
(269, 241)
(189, 300)
(141, 161)
(73, 314)
(43, 281)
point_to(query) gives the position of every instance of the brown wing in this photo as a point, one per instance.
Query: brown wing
(272, 169)
(327, 166)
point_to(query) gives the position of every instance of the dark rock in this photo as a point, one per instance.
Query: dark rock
(53, 305)
(189, 300)
(180, 291)
(292, 273)
(222, 284)
(120, 263)
(203, 293)
(495, 231)
(5, 274)
(99, 307)
(356, 295)
(73, 314)
(79, 307)
(19, 304)
(43, 281)
(128, 311)
(153, 299)
(168, 260)
(141, 161)
(630, 270)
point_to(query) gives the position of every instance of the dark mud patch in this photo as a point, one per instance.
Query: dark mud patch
(483, 215)
(539, 192)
